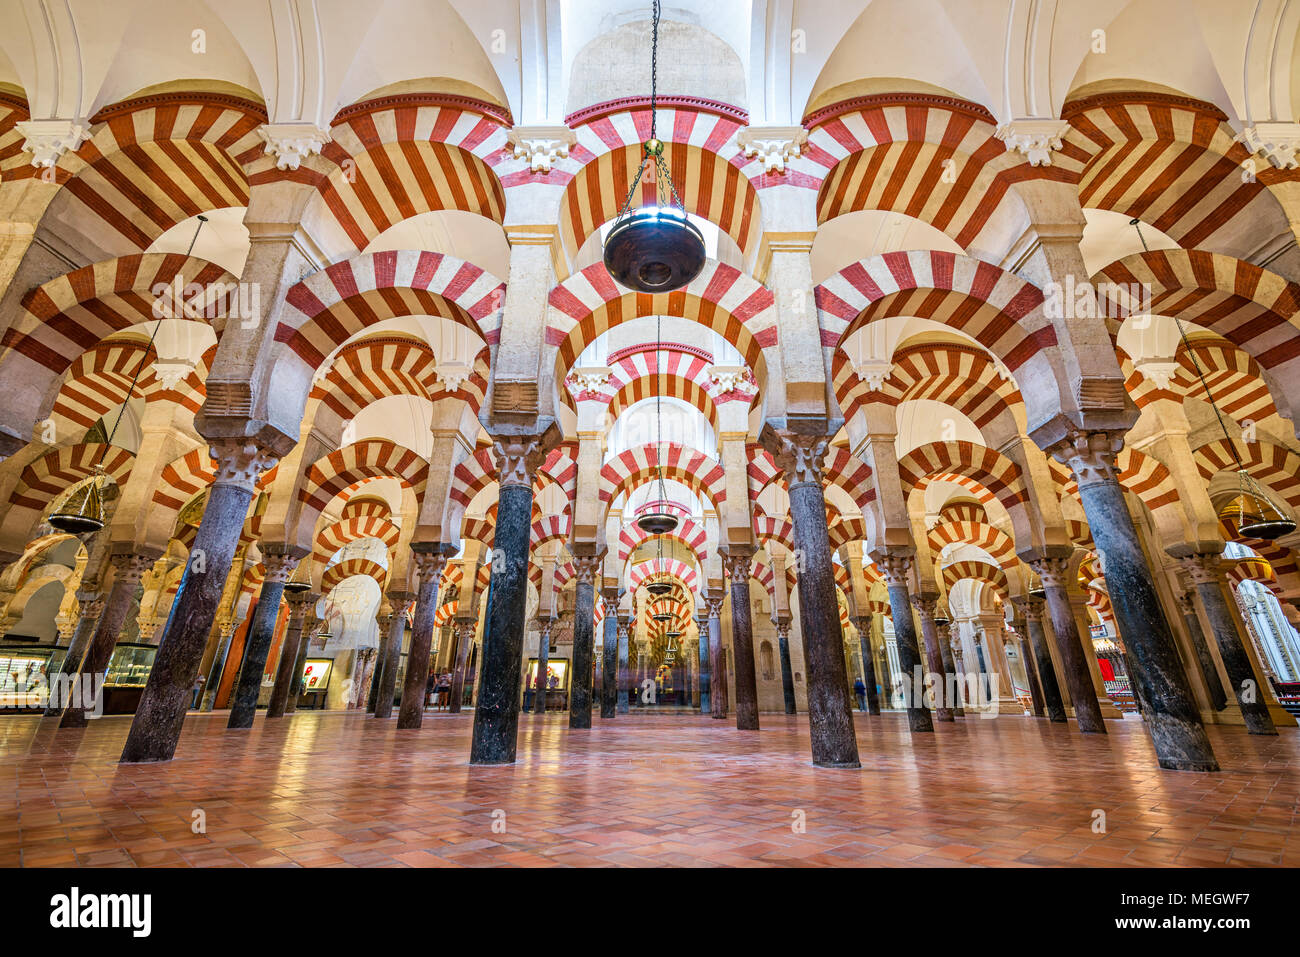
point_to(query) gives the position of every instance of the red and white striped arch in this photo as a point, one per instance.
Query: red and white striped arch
(1143, 475)
(1170, 161)
(13, 110)
(630, 469)
(676, 371)
(1234, 378)
(479, 471)
(100, 380)
(328, 307)
(549, 528)
(934, 158)
(1253, 568)
(395, 157)
(372, 369)
(71, 314)
(691, 535)
(997, 309)
(45, 479)
(995, 472)
(352, 528)
(183, 478)
(845, 530)
(773, 528)
(985, 572)
(340, 572)
(154, 161)
(656, 567)
(1273, 466)
(982, 535)
(963, 512)
(721, 297)
(331, 475)
(1254, 309)
(840, 468)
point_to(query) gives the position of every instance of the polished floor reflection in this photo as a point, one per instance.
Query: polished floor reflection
(336, 789)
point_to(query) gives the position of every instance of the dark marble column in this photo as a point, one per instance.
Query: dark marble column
(91, 610)
(624, 678)
(464, 630)
(717, 672)
(128, 569)
(925, 607)
(383, 626)
(609, 656)
(496, 718)
(1171, 715)
(1207, 576)
(311, 629)
(225, 635)
(430, 560)
(736, 561)
(586, 567)
(1053, 571)
(280, 561)
(543, 658)
(863, 624)
(1031, 672)
(1032, 609)
(787, 671)
(702, 625)
(1210, 673)
(952, 679)
(156, 727)
(896, 565)
(958, 663)
(300, 604)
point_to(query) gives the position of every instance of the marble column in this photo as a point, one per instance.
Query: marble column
(1032, 610)
(863, 624)
(225, 635)
(1053, 571)
(91, 610)
(736, 561)
(280, 562)
(544, 626)
(128, 569)
(717, 673)
(958, 664)
(952, 679)
(1031, 672)
(895, 566)
(430, 560)
(1171, 715)
(1209, 672)
(383, 625)
(156, 727)
(464, 630)
(496, 717)
(624, 689)
(787, 672)
(925, 607)
(300, 603)
(1207, 576)
(702, 625)
(609, 656)
(586, 567)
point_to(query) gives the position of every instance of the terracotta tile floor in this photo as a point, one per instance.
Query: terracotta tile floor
(342, 790)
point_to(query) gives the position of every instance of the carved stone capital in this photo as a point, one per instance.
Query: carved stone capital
(541, 146)
(799, 456)
(586, 567)
(240, 462)
(92, 606)
(736, 564)
(775, 146)
(291, 143)
(465, 629)
(48, 140)
(518, 458)
(280, 562)
(782, 627)
(1030, 608)
(1204, 568)
(130, 567)
(429, 562)
(1035, 139)
(895, 567)
(1278, 143)
(1090, 455)
(715, 602)
(1052, 571)
(300, 603)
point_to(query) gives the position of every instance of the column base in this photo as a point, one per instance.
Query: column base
(841, 765)
(1171, 764)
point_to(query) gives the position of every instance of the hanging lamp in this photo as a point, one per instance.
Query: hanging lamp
(661, 521)
(1250, 510)
(82, 511)
(659, 588)
(654, 248)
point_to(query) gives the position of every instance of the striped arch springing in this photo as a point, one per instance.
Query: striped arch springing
(340, 572)
(446, 613)
(934, 158)
(372, 458)
(997, 309)
(375, 368)
(73, 313)
(721, 297)
(847, 530)
(100, 380)
(549, 528)
(990, 538)
(772, 528)
(961, 376)
(1273, 466)
(395, 157)
(690, 534)
(328, 307)
(353, 528)
(183, 478)
(676, 371)
(154, 161)
(45, 479)
(995, 472)
(654, 568)
(560, 469)
(1254, 309)
(1171, 161)
(699, 147)
(840, 468)
(985, 572)
(1253, 568)
(1143, 475)
(630, 469)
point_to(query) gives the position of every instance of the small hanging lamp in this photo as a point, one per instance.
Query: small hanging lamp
(654, 248)
(661, 520)
(659, 588)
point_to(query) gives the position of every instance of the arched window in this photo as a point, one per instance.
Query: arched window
(765, 660)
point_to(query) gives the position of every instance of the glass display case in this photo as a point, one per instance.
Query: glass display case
(128, 670)
(315, 682)
(557, 683)
(24, 668)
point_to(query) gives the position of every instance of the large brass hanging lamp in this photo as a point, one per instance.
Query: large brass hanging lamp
(82, 510)
(654, 248)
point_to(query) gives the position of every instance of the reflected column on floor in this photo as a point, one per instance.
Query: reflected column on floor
(280, 561)
(895, 564)
(430, 559)
(736, 561)
(300, 603)
(170, 688)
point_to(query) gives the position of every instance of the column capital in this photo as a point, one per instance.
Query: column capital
(541, 146)
(926, 605)
(280, 561)
(782, 627)
(1090, 454)
(1184, 600)
(291, 143)
(47, 140)
(799, 455)
(1033, 138)
(1030, 608)
(736, 562)
(774, 146)
(1203, 568)
(715, 601)
(895, 564)
(240, 461)
(518, 457)
(130, 566)
(430, 559)
(92, 605)
(1052, 570)
(586, 567)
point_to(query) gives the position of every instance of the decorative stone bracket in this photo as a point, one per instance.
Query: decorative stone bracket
(541, 146)
(291, 143)
(48, 140)
(874, 372)
(452, 375)
(589, 379)
(1279, 143)
(1036, 139)
(775, 146)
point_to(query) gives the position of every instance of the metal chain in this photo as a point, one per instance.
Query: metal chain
(654, 68)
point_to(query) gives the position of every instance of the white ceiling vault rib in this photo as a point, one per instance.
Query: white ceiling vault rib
(56, 48)
(300, 79)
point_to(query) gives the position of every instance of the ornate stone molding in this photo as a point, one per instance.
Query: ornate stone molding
(1031, 609)
(541, 146)
(48, 140)
(291, 143)
(925, 605)
(429, 563)
(589, 379)
(1205, 568)
(92, 606)
(240, 462)
(1278, 143)
(279, 564)
(715, 603)
(130, 567)
(775, 146)
(1034, 139)
(1090, 455)
(300, 602)
(782, 627)
(1052, 571)
(874, 372)
(518, 458)
(452, 375)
